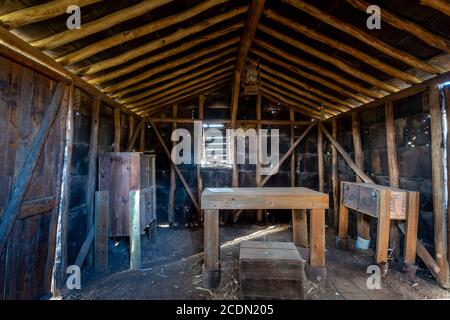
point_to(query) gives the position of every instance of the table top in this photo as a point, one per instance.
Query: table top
(264, 198)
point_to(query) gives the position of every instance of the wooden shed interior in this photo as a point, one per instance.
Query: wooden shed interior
(86, 119)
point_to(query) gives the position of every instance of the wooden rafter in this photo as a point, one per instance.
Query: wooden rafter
(98, 25)
(278, 96)
(185, 97)
(184, 85)
(161, 42)
(365, 37)
(330, 59)
(179, 93)
(129, 35)
(300, 73)
(126, 87)
(254, 13)
(41, 12)
(164, 55)
(416, 30)
(174, 80)
(318, 69)
(441, 5)
(366, 58)
(339, 102)
(303, 93)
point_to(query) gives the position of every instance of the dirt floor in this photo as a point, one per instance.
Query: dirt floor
(172, 268)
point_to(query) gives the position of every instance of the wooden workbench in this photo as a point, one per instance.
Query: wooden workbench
(215, 199)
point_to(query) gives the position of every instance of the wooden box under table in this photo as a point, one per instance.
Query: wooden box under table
(120, 173)
(271, 270)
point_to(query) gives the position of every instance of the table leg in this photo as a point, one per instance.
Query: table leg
(412, 220)
(317, 250)
(383, 229)
(211, 266)
(342, 238)
(300, 227)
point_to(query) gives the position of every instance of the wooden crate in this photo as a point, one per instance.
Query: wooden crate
(121, 173)
(271, 270)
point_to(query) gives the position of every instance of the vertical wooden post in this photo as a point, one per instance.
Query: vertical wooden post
(60, 265)
(135, 230)
(447, 109)
(211, 266)
(300, 228)
(117, 129)
(393, 169)
(363, 224)
(335, 177)
(101, 230)
(412, 224)
(317, 250)
(437, 165)
(384, 217)
(131, 126)
(320, 159)
(173, 177)
(92, 175)
(201, 117)
(142, 140)
(258, 176)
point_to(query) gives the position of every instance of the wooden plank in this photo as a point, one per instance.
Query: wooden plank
(363, 223)
(135, 231)
(180, 175)
(383, 227)
(101, 238)
(60, 264)
(391, 149)
(300, 227)
(117, 130)
(263, 198)
(335, 176)
(92, 174)
(12, 207)
(320, 160)
(173, 177)
(412, 225)
(211, 245)
(201, 117)
(79, 261)
(37, 207)
(437, 156)
(317, 250)
(135, 135)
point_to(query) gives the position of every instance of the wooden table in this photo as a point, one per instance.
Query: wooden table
(215, 199)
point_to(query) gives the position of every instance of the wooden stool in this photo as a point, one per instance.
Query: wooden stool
(271, 270)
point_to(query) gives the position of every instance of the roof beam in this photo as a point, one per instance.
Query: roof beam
(366, 58)
(154, 90)
(339, 102)
(41, 12)
(165, 54)
(365, 37)
(129, 35)
(185, 85)
(293, 93)
(185, 97)
(330, 59)
(98, 25)
(342, 91)
(161, 42)
(175, 93)
(303, 93)
(416, 30)
(319, 70)
(301, 102)
(254, 13)
(440, 5)
(125, 87)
